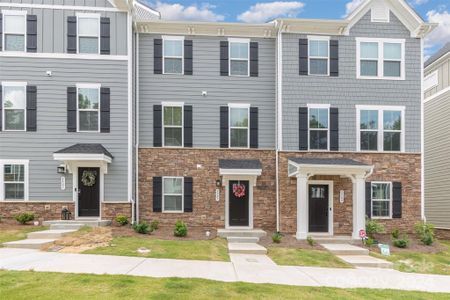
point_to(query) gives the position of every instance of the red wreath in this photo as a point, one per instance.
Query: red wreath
(239, 190)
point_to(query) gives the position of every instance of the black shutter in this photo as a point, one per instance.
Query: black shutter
(157, 194)
(1, 103)
(303, 56)
(187, 194)
(334, 58)
(105, 103)
(253, 59)
(224, 127)
(334, 129)
(31, 33)
(72, 109)
(105, 36)
(369, 199)
(157, 125)
(31, 108)
(303, 128)
(188, 57)
(188, 126)
(224, 58)
(253, 127)
(396, 200)
(157, 56)
(1, 34)
(71, 34)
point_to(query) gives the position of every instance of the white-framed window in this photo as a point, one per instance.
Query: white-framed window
(14, 106)
(173, 194)
(173, 119)
(380, 128)
(239, 133)
(380, 58)
(14, 180)
(318, 55)
(173, 55)
(431, 80)
(318, 126)
(381, 200)
(88, 33)
(239, 57)
(88, 107)
(14, 30)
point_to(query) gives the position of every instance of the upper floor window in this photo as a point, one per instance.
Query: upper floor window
(88, 33)
(318, 127)
(173, 125)
(380, 128)
(14, 30)
(88, 96)
(239, 57)
(173, 194)
(13, 180)
(14, 106)
(380, 58)
(381, 199)
(318, 55)
(239, 126)
(173, 52)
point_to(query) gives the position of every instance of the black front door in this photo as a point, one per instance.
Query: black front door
(88, 192)
(239, 203)
(318, 208)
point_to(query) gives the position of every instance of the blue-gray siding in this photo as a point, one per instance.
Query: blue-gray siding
(91, 3)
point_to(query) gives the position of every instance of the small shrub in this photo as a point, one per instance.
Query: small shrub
(154, 225)
(310, 240)
(401, 243)
(142, 228)
(373, 227)
(395, 234)
(24, 218)
(370, 242)
(122, 220)
(180, 229)
(276, 237)
(425, 231)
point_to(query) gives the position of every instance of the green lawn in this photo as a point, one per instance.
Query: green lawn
(305, 257)
(35, 285)
(415, 262)
(17, 233)
(215, 249)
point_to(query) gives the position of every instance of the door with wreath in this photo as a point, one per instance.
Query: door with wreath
(88, 192)
(238, 203)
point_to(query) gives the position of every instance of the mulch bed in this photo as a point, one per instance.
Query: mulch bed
(414, 245)
(288, 241)
(165, 233)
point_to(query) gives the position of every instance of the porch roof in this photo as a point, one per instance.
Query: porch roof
(240, 167)
(92, 152)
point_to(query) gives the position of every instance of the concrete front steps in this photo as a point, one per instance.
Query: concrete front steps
(243, 241)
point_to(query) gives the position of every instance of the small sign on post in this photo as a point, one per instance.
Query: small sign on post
(384, 249)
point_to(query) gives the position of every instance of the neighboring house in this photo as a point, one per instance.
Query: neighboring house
(302, 126)
(437, 138)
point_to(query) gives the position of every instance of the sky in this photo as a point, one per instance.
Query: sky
(258, 11)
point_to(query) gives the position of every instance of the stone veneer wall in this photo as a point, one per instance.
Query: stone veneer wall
(203, 166)
(443, 234)
(400, 167)
(111, 210)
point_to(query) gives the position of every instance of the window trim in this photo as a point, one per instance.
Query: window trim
(239, 41)
(14, 84)
(380, 60)
(172, 104)
(173, 38)
(89, 86)
(319, 38)
(24, 162)
(182, 195)
(23, 13)
(384, 200)
(319, 106)
(238, 105)
(380, 130)
(90, 16)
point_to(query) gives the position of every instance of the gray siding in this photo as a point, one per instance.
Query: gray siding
(437, 161)
(443, 69)
(346, 91)
(92, 3)
(257, 91)
(52, 28)
(52, 133)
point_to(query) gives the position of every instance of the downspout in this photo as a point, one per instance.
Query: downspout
(422, 135)
(278, 119)
(136, 76)
(130, 107)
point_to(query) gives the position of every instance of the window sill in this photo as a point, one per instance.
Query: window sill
(240, 76)
(386, 152)
(381, 218)
(380, 78)
(173, 212)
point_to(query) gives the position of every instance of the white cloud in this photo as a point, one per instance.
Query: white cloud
(351, 6)
(441, 34)
(263, 12)
(193, 12)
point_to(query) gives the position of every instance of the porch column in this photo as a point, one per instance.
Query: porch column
(359, 205)
(302, 207)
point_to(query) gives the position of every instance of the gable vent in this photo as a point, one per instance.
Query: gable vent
(380, 12)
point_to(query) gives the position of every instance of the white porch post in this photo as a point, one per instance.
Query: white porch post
(302, 207)
(359, 205)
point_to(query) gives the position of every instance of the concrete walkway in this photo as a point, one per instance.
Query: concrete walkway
(243, 267)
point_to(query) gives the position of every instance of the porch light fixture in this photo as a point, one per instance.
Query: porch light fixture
(61, 169)
(218, 183)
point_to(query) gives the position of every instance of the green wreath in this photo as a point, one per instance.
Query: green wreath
(88, 178)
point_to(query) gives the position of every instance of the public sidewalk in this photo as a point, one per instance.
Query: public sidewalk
(246, 268)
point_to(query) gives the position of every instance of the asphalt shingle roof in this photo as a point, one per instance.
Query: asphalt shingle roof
(247, 164)
(438, 54)
(326, 161)
(86, 149)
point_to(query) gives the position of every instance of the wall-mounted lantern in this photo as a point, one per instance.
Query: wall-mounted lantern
(61, 169)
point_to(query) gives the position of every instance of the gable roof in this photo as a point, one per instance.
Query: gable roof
(435, 57)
